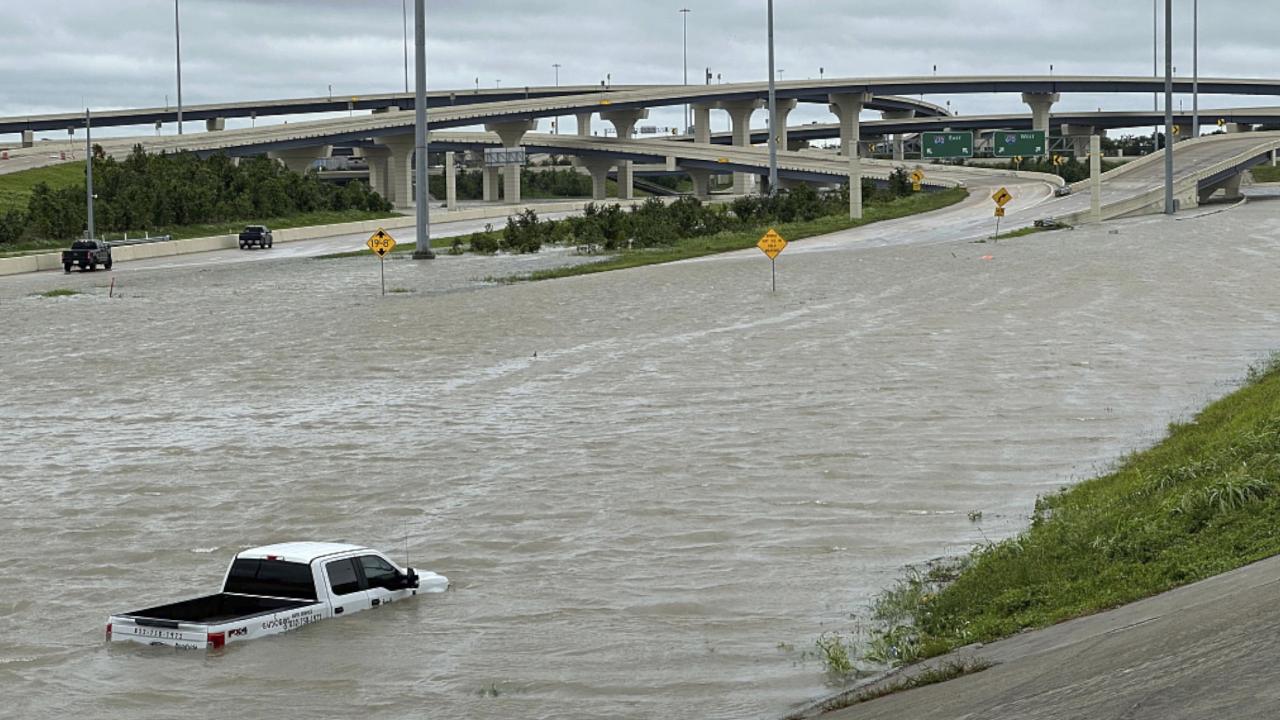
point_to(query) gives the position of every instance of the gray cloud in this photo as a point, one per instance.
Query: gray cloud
(73, 53)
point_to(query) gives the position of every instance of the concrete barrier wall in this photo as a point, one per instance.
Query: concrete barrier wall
(126, 253)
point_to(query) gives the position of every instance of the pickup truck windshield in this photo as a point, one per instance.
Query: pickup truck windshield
(273, 578)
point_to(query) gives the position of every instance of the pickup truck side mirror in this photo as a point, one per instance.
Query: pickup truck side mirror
(408, 579)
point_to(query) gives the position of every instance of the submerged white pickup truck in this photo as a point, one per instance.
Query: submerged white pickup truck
(274, 589)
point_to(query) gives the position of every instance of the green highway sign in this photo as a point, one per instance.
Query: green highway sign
(1020, 144)
(947, 145)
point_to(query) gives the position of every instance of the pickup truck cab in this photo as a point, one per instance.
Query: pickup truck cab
(88, 254)
(274, 589)
(256, 236)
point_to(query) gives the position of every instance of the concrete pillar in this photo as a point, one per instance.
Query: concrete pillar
(740, 112)
(450, 181)
(584, 124)
(1079, 136)
(511, 133)
(299, 160)
(784, 111)
(847, 107)
(701, 182)
(215, 124)
(1041, 106)
(379, 179)
(28, 138)
(599, 168)
(702, 124)
(399, 169)
(490, 184)
(624, 125)
(900, 139)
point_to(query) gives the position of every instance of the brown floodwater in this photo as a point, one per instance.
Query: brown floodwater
(652, 489)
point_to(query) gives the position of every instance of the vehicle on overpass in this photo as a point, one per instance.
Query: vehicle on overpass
(88, 255)
(256, 236)
(273, 589)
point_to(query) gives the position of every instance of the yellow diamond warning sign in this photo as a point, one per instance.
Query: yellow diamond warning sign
(1002, 197)
(381, 243)
(772, 244)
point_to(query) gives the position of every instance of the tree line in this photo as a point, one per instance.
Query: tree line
(158, 192)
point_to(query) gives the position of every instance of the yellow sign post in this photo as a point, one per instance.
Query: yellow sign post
(917, 178)
(1002, 197)
(772, 244)
(382, 243)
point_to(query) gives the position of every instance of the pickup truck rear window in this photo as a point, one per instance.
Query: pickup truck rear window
(273, 578)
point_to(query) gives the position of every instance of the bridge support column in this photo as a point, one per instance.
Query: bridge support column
(215, 124)
(847, 107)
(489, 184)
(1041, 106)
(899, 139)
(740, 112)
(1095, 178)
(584, 124)
(701, 178)
(702, 124)
(379, 179)
(299, 160)
(624, 126)
(784, 111)
(599, 168)
(400, 170)
(1079, 136)
(450, 180)
(511, 133)
(1230, 188)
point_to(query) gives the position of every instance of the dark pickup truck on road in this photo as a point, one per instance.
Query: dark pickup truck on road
(255, 236)
(88, 254)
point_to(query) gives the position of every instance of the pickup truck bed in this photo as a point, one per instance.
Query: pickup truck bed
(217, 609)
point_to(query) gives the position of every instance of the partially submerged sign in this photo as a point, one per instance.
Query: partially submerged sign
(381, 243)
(772, 244)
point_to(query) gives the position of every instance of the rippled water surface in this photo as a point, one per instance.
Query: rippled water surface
(652, 489)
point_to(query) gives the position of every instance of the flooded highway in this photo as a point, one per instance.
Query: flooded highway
(652, 489)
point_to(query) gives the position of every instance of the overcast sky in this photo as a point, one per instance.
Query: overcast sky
(68, 54)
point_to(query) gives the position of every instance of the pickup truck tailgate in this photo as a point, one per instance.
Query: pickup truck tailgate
(171, 633)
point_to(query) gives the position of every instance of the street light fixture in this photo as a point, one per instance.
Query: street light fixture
(1169, 204)
(1195, 68)
(555, 128)
(422, 251)
(404, 13)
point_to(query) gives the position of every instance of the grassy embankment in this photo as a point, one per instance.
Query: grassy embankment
(16, 188)
(1266, 174)
(729, 241)
(1204, 501)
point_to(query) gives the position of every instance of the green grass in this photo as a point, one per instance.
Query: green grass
(405, 247)
(1204, 501)
(327, 217)
(15, 188)
(1266, 174)
(60, 292)
(1032, 230)
(729, 241)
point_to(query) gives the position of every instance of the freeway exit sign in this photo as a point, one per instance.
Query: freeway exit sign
(1020, 144)
(947, 145)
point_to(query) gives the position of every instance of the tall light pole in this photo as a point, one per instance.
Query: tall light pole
(1195, 68)
(404, 16)
(1168, 107)
(556, 126)
(684, 13)
(177, 42)
(773, 114)
(88, 168)
(1155, 68)
(422, 251)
